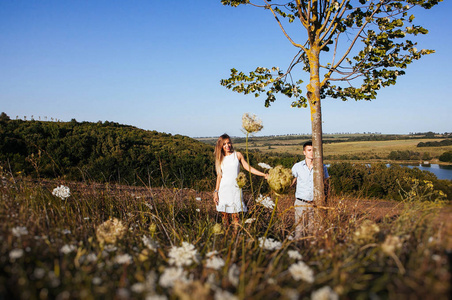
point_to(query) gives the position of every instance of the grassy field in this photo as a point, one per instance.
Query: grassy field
(364, 150)
(121, 242)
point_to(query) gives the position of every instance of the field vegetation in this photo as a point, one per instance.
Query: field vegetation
(90, 241)
(107, 211)
(364, 148)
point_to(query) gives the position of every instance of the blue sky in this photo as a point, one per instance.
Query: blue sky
(157, 65)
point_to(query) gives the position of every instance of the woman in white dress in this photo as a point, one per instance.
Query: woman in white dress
(227, 195)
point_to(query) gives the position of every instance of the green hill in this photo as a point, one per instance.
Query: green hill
(103, 152)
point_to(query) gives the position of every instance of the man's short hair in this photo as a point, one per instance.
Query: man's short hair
(308, 143)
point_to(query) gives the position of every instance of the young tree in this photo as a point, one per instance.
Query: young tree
(334, 30)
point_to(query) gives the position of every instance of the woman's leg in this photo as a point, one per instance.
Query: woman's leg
(225, 218)
(235, 219)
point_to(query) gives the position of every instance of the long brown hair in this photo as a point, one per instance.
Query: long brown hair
(219, 153)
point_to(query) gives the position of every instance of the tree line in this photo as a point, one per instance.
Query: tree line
(108, 152)
(103, 152)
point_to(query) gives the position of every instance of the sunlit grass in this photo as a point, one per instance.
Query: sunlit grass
(49, 247)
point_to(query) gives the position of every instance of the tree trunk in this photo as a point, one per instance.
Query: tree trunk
(316, 123)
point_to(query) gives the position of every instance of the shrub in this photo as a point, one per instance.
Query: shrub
(382, 181)
(446, 156)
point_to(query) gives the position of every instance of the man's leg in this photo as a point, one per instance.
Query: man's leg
(299, 226)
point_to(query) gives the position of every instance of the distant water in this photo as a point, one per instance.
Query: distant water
(442, 172)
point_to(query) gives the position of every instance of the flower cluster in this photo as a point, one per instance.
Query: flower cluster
(213, 261)
(217, 229)
(391, 244)
(301, 271)
(269, 244)
(366, 232)
(279, 179)
(324, 293)
(241, 180)
(250, 220)
(183, 256)
(110, 231)
(16, 254)
(62, 192)
(150, 243)
(123, 259)
(172, 275)
(66, 249)
(19, 231)
(265, 201)
(251, 123)
(264, 166)
(294, 254)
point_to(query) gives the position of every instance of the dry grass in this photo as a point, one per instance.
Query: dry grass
(354, 268)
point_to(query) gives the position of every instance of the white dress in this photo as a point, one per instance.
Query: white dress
(229, 194)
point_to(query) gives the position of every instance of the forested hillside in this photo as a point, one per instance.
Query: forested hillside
(103, 152)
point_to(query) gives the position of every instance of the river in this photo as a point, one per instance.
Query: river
(441, 171)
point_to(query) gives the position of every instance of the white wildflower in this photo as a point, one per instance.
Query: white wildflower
(150, 243)
(123, 259)
(251, 123)
(62, 192)
(39, 273)
(391, 244)
(325, 293)
(15, 254)
(171, 275)
(301, 271)
(234, 275)
(294, 254)
(215, 263)
(224, 295)
(265, 201)
(19, 231)
(198, 199)
(366, 232)
(436, 257)
(182, 256)
(269, 244)
(250, 220)
(138, 287)
(212, 253)
(198, 210)
(264, 166)
(66, 249)
(110, 248)
(91, 257)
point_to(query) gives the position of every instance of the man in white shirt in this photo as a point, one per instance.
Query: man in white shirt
(303, 174)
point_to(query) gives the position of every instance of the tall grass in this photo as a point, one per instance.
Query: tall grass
(49, 248)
